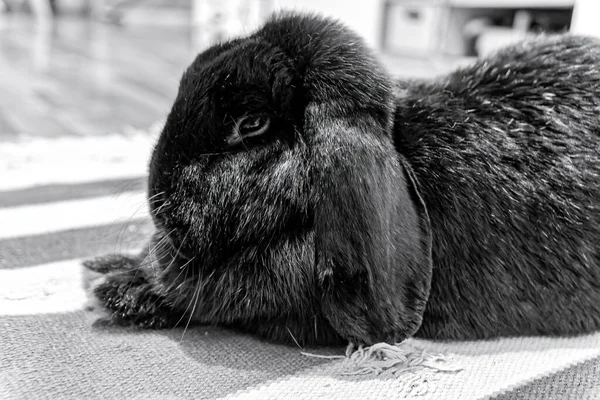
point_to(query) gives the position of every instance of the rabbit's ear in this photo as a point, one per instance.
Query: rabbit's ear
(372, 232)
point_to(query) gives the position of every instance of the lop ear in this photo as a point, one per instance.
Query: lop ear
(372, 232)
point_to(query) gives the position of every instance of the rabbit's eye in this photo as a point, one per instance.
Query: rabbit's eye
(252, 125)
(248, 127)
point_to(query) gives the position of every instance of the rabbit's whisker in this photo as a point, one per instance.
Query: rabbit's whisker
(146, 262)
(121, 233)
(294, 338)
(182, 268)
(198, 283)
(156, 212)
(165, 236)
(217, 153)
(159, 244)
(153, 197)
(170, 286)
(179, 287)
(194, 300)
(177, 252)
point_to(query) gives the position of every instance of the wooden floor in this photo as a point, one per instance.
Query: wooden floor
(78, 77)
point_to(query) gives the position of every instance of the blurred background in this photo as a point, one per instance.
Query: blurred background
(90, 67)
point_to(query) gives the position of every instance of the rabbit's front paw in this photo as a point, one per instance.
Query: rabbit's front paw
(123, 296)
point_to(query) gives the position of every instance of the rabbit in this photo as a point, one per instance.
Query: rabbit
(301, 194)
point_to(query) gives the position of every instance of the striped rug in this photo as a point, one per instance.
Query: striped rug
(67, 199)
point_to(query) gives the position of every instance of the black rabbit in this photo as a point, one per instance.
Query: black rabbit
(300, 194)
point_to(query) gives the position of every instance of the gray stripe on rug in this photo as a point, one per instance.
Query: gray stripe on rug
(61, 192)
(578, 382)
(76, 243)
(62, 357)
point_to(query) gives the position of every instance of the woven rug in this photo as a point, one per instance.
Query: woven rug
(67, 199)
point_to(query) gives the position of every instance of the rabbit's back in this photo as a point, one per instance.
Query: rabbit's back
(507, 153)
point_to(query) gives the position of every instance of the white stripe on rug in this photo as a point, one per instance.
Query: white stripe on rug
(64, 215)
(41, 161)
(43, 289)
(488, 368)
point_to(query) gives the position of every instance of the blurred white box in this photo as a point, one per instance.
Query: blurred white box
(412, 27)
(585, 18)
(219, 20)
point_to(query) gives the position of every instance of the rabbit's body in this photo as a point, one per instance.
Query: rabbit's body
(507, 153)
(298, 196)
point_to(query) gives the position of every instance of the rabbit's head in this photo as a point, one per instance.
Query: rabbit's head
(276, 174)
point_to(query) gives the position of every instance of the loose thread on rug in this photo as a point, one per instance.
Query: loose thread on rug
(391, 359)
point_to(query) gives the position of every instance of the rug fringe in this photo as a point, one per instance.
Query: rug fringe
(385, 358)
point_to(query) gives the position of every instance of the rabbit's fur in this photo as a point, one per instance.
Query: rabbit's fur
(507, 153)
(461, 208)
